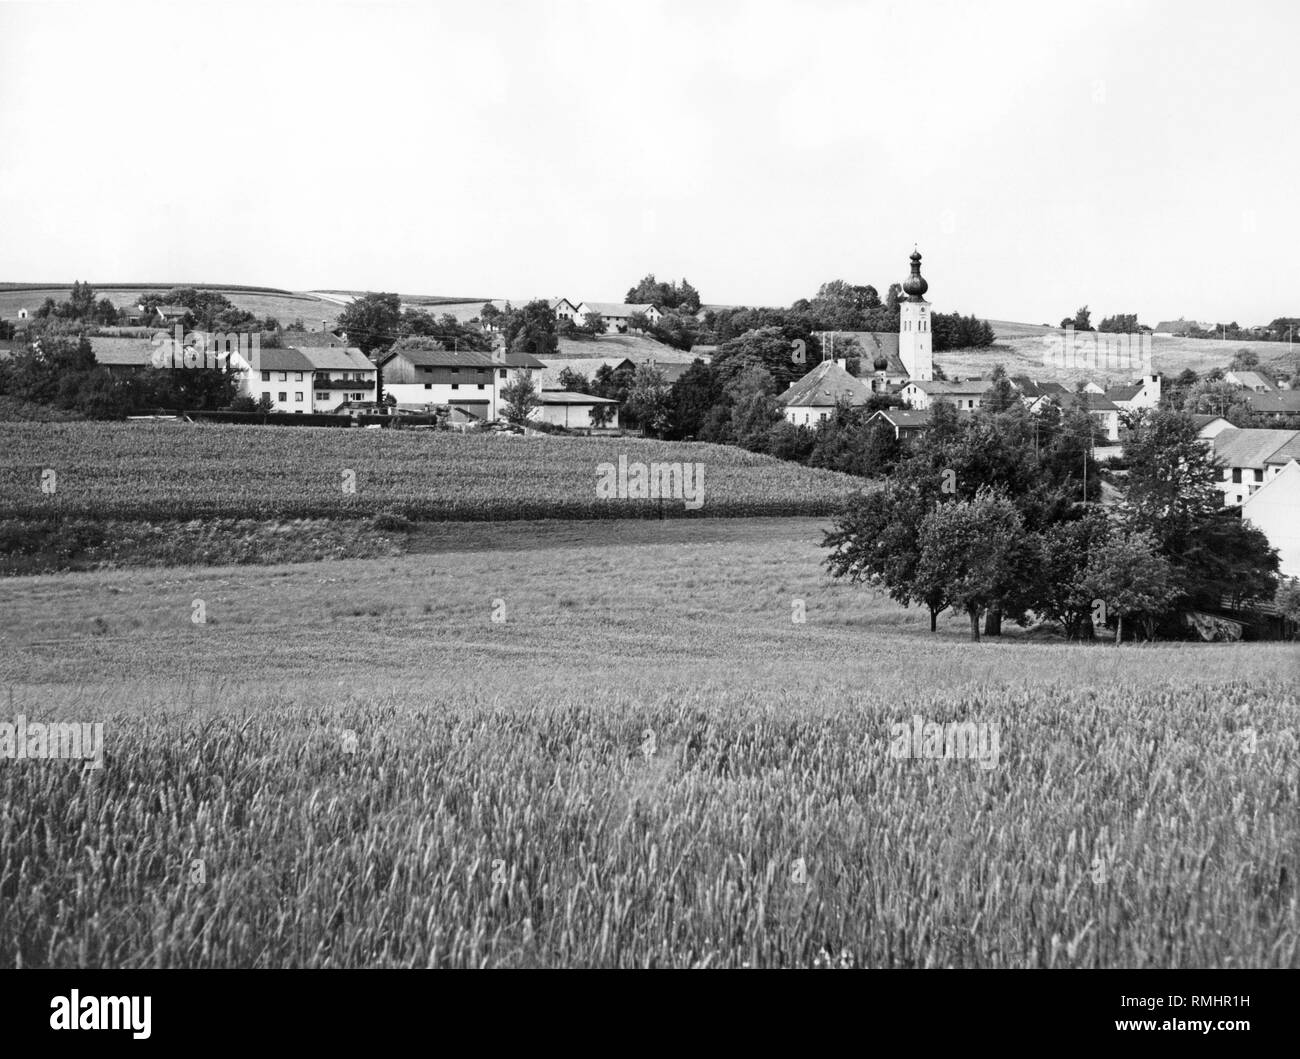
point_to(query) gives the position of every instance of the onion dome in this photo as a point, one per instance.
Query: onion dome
(915, 286)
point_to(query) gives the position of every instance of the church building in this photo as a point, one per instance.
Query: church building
(906, 357)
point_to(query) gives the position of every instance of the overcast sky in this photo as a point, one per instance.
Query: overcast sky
(1133, 156)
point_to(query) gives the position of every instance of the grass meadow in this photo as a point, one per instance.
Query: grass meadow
(645, 760)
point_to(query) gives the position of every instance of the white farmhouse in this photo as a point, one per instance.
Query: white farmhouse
(1275, 509)
(464, 379)
(616, 314)
(311, 379)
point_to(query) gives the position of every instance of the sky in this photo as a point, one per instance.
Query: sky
(1134, 157)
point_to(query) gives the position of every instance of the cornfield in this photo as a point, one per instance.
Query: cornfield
(182, 471)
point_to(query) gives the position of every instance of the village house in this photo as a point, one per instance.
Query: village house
(1249, 380)
(811, 399)
(170, 314)
(1244, 458)
(565, 310)
(906, 423)
(1276, 404)
(563, 408)
(1208, 426)
(616, 314)
(964, 396)
(1274, 509)
(311, 379)
(1139, 394)
(465, 379)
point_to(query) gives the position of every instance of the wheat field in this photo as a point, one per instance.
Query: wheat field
(646, 759)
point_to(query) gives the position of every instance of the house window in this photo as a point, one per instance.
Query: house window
(322, 396)
(480, 386)
(266, 376)
(455, 386)
(266, 394)
(1236, 476)
(284, 376)
(1259, 475)
(357, 396)
(428, 386)
(297, 376)
(503, 374)
(822, 416)
(455, 371)
(298, 396)
(283, 396)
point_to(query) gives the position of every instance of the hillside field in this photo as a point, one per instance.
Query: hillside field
(173, 471)
(285, 307)
(613, 752)
(1019, 348)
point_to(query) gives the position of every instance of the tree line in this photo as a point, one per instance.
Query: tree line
(981, 516)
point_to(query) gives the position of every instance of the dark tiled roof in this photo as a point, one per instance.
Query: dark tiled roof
(464, 358)
(826, 385)
(1278, 402)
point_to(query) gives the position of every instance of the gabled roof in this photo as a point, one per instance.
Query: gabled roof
(1288, 452)
(1250, 447)
(873, 344)
(311, 339)
(552, 367)
(616, 308)
(1285, 402)
(569, 397)
(1288, 477)
(170, 311)
(905, 418)
(1092, 402)
(123, 352)
(555, 303)
(1201, 421)
(1252, 379)
(282, 360)
(463, 358)
(1124, 393)
(1037, 388)
(936, 387)
(327, 358)
(824, 387)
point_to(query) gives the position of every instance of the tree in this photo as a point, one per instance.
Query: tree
(972, 551)
(771, 348)
(1120, 324)
(593, 324)
(521, 397)
(647, 401)
(1287, 599)
(876, 539)
(531, 329)
(373, 322)
(666, 296)
(1063, 596)
(1170, 493)
(573, 382)
(1082, 320)
(696, 391)
(1126, 573)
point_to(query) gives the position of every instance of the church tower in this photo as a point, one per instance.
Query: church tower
(914, 338)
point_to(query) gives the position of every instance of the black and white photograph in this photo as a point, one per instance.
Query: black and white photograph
(681, 485)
